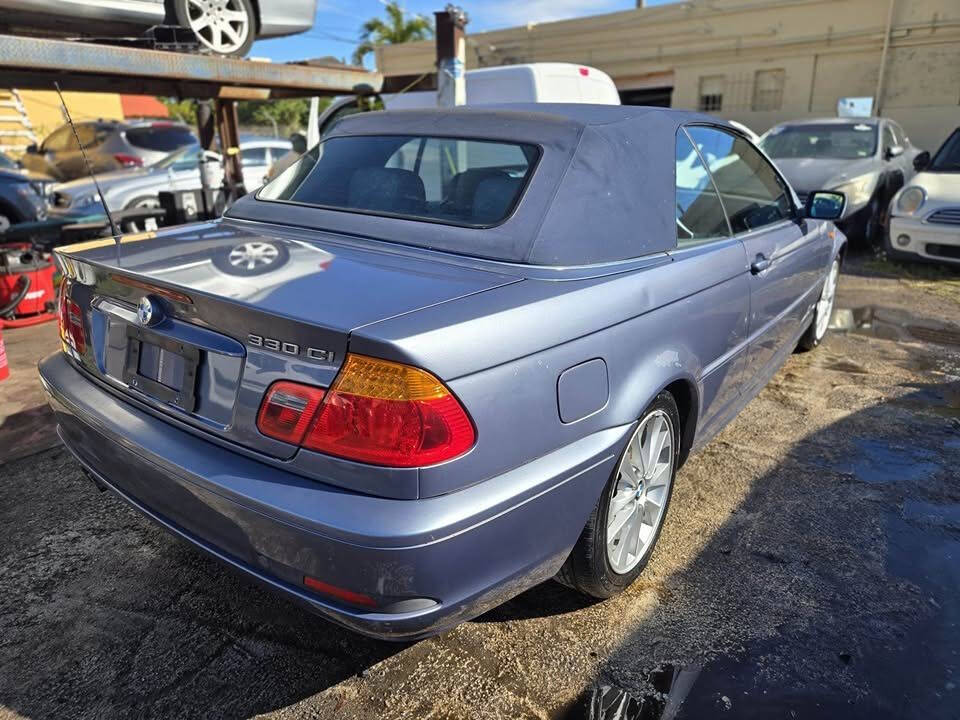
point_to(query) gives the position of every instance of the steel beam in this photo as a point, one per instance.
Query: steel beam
(34, 63)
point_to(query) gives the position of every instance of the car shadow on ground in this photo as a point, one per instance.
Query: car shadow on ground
(103, 614)
(830, 590)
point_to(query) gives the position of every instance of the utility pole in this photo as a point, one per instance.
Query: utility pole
(451, 56)
(881, 75)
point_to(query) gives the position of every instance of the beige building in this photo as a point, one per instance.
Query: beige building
(28, 116)
(756, 61)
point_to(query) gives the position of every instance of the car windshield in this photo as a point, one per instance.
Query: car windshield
(474, 183)
(6, 162)
(947, 158)
(836, 141)
(160, 137)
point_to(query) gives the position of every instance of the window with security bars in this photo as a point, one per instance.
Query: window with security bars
(768, 89)
(711, 93)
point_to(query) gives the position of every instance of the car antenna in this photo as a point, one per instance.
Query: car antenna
(113, 225)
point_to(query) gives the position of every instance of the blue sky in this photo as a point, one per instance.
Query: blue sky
(337, 24)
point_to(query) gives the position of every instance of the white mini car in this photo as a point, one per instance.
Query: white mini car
(925, 215)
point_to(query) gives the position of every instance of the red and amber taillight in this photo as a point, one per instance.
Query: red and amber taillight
(71, 323)
(376, 411)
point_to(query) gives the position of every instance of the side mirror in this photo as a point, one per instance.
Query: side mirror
(825, 205)
(32, 148)
(894, 151)
(921, 161)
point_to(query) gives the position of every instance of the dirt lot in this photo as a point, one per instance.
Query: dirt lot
(810, 567)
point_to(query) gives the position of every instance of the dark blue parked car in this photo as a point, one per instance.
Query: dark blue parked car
(445, 356)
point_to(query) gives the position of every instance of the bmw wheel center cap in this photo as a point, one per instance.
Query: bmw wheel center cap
(148, 311)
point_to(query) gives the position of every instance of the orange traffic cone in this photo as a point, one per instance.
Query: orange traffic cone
(4, 368)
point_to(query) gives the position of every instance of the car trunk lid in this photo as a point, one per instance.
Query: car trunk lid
(236, 307)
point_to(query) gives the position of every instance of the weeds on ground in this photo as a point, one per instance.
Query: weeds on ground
(933, 279)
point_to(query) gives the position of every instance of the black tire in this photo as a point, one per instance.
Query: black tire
(874, 223)
(810, 340)
(588, 569)
(8, 217)
(145, 201)
(180, 9)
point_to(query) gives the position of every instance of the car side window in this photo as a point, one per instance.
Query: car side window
(253, 156)
(754, 195)
(898, 135)
(888, 139)
(700, 216)
(87, 135)
(57, 141)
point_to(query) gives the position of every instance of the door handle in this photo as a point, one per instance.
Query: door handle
(760, 263)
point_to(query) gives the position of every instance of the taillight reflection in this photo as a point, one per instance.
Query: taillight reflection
(71, 323)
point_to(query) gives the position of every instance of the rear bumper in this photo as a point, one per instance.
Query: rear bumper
(429, 563)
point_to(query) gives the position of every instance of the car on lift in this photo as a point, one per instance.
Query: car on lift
(223, 27)
(108, 144)
(140, 187)
(867, 159)
(495, 335)
(925, 215)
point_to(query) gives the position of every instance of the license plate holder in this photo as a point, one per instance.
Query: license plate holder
(182, 393)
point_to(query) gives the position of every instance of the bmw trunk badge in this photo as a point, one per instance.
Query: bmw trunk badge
(148, 311)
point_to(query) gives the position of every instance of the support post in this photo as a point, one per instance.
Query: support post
(451, 56)
(226, 112)
(881, 76)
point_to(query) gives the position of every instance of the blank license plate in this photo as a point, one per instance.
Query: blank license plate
(161, 367)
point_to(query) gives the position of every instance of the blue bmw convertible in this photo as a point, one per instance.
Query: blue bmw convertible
(446, 355)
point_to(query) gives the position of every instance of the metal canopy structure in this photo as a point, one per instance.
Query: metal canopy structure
(34, 63)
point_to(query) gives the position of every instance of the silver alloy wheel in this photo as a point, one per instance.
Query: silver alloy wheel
(221, 25)
(639, 496)
(4, 223)
(253, 255)
(825, 303)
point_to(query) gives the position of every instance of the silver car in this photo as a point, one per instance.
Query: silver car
(225, 27)
(140, 187)
(108, 144)
(867, 159)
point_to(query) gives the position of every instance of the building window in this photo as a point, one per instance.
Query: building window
(711, 93)
(768, 89)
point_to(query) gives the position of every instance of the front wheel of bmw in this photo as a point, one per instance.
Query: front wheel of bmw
(822, 311)
(625, 525)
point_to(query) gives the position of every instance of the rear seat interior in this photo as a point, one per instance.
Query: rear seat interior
(479, 196)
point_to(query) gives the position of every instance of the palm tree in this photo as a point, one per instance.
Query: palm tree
(397, 28)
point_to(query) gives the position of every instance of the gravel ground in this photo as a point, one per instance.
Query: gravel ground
(808, 565)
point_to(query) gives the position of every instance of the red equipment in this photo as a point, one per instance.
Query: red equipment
(4, 368)
(27, 295)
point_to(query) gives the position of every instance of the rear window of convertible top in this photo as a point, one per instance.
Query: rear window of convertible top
(473, 183)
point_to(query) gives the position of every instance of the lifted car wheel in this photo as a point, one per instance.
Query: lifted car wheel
(823, 310)
(623, 528)
(226, 27)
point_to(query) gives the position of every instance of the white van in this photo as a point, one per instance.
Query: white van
(536, 82)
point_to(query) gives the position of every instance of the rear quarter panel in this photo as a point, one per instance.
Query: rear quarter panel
(502, 352)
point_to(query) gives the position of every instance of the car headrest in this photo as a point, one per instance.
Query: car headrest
(463, 186)
(493, 199)
(392, 190)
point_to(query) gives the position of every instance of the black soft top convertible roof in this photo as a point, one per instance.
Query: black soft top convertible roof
(603, 190)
